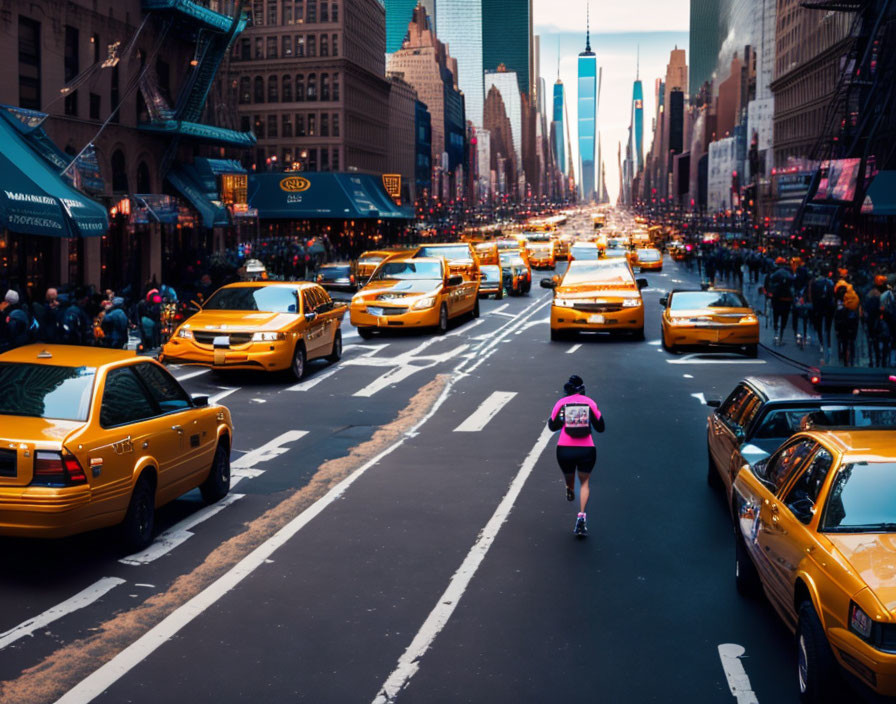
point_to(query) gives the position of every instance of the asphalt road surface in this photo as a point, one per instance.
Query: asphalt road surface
(372, 550)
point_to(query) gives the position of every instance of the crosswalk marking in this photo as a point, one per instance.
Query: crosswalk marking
(184, 377)
(487, 410)
(80, 600)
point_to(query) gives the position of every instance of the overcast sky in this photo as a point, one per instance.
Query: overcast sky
(617, 30)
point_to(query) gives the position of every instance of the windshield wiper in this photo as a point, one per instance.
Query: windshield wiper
(863, 528)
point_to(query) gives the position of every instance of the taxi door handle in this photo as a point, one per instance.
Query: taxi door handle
(773, 508)
(178, 429)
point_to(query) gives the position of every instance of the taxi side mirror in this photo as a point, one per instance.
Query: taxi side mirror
(642, 283)
(310, 316)
(200, 400)
(455, 280)
(548, 283)
(194, 307)
(664, 301)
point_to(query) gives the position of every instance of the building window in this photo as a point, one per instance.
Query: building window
(71, 67)
(334, 157)
(286, 130)
(259, 48)
(335, 45)
(259, 127)
(273, 89)
(258, 13)
(324, 45)
(258, 91)
(325, 12)
(143, 185)
(245, 49)
(163, 74)
(29, 63)
(324, 125)
(312, 159)
(245, 123)
(300, 45)
(94, 106)
(312, 12)
(300, 125)
(114, 95)
(287, 12)
(286, 93)
(312, 125)
(287, 46)
(272, 12)
(334, 12)
(324, 159)
(324, 86)
(300, 12)
(335, 86)
(119, 173)
(272, 126)
(335, 124)
(272, 47)
(300, 88)
(311, 93)
(245, 90)
(95, 41)
(312, 45)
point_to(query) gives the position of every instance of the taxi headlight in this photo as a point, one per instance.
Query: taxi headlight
(631, 302)
(185, 333)
(859, 621)
(749, 319)
(564, 303)
(422, 303)
(268, 336)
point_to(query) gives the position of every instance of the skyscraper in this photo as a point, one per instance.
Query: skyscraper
(506, 38)
(461, 30)
(559, 151)
(637, 124)
(705, 42)
(587, 106)
(507, 83)
(398, 16)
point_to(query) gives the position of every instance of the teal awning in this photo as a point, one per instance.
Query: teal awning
(321, 196)
(202, 133)
(201, 189)
(35, 200)
(881, 196)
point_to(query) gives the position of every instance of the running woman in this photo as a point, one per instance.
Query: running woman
(574, 416)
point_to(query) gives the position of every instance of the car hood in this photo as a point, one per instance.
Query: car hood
(236, 320)
(399, 288)
(873, 558)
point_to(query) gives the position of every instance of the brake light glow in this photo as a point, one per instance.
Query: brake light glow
(815, 379)
(56, 469)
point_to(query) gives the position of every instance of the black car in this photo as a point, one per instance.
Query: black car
(337, 277)
(764, 411)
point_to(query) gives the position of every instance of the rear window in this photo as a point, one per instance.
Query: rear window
(461, 251)
(332, 273)
(603, 272)
(649, 255)
(690, 300)
(44, 391)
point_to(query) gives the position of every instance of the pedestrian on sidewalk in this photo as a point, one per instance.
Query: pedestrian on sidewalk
(846, 319)
(824, 305)
(779, 288)
(873, 316)
(575, 415)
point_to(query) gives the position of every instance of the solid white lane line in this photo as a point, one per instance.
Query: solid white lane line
(487, 410)
(532, 324)
(179, 533)
(738, 682)
(184, 377)
(224, 393)
(496, 311)
(506, 315)
(409, 662)
(268, 451)
(101, 679)
(83, 598)
(573, 349)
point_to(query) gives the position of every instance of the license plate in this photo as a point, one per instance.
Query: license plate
(375, 311)
(221, 341)
(596, 319)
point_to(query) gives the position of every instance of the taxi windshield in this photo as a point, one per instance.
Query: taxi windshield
(415, 271)
(862, 499)
(614, 253)
(691, 300)
(602, 272)
(585, 252)
(44, 391)
(266, 299)
(461, 251)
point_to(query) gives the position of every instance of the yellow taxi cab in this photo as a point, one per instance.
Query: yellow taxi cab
(93, 437)
(460, 256)
(491, 281)
(516, 272)
(413, 293)
(262, 325)
(815, 529)
(541, 254)
(516, 245)
(369, 261)
(562, 244)
(648, 259)
(601, 296)
(714, 318)
(487, 253)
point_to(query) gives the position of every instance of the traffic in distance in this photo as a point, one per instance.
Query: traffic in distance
(425, 375)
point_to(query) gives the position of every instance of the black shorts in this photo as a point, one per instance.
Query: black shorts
(576, 459)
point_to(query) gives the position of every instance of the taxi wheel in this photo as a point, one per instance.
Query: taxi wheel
(365, 333)
(217, 485)
(475, 312)
(297, 368)
(557, 335)
(139, 521)
(816, 667)
(336, 354)
(745, 574)
(442, 326)
(752, 351)
(638, 334)
(500, 294)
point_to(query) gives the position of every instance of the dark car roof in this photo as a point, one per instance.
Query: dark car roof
(797, 387)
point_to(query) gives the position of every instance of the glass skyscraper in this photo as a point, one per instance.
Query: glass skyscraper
(508, 85)
(460, 28)
(398, 17)
(638, 126)
(587, 106)
(506, 37)
(707, 31)
(559, 150)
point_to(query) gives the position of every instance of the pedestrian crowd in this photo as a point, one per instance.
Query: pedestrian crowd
(831, 296)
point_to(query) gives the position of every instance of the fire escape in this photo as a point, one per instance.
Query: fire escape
(860, 120)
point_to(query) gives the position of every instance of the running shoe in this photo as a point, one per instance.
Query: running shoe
(570, 494)
(581, 527)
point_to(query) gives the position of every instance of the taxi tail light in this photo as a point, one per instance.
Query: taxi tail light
(56, 469)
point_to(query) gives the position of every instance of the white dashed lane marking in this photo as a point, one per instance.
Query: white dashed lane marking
(573, 349)
(487, 410)
(738, 682)
(184, 377)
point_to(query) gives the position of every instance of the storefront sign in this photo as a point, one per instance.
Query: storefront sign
(392, 184)
(234, 188)
(295, 184)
